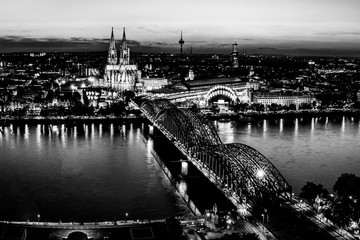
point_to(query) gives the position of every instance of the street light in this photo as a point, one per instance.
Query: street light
(260, 174)
(72, 89)
(126, 216)
(38, 216)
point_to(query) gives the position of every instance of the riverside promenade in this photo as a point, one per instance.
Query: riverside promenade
(69, 119)
(129, 229)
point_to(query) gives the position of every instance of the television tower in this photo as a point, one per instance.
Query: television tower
(181, 42)
(234, 56)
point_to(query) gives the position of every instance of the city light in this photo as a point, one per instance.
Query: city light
(260, 174)
(244, 176)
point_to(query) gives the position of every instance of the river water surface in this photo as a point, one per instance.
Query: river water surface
(103, 171)
(309, 149)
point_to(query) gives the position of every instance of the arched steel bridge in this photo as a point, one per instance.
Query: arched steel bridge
(237, 169)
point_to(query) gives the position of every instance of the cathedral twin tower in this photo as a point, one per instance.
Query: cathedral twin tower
(119, 73)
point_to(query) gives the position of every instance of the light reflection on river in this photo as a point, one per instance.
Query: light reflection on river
(82, 173)
(312, 149)
(101, 171)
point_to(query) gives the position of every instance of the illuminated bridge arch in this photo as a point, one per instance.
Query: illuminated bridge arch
(188, 127)
(239, 169)
(221, 90)
(153, 107)
(244, 170)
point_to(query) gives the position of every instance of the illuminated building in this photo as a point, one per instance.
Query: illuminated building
(283, 99)
(100, 96)
(191, 75)
(311, 66)
(120, 74)
(153, 83)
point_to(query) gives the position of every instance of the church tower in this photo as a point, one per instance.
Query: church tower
(112, 55)
(120, 75)
(124, 51)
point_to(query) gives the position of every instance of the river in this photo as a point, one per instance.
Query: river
(84, 173)
(303, 149)
(103, 171)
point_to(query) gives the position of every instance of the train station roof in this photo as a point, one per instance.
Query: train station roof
(195, 84)
(200, 84)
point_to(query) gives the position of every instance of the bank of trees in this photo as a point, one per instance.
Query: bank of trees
(273, 107)
(343, 208)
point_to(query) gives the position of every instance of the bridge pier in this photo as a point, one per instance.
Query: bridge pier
(184, 167)
(155, 132)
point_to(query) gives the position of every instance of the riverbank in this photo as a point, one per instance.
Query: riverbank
(246, 117)
(102, 230)
(71, 120)
(249, 117)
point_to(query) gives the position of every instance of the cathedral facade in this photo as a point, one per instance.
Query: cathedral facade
(120, 74)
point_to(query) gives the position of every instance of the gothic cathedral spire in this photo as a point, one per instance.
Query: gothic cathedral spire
(112, 56)
(124, 43)
(124, 50)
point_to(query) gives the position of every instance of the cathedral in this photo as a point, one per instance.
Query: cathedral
(119, 73)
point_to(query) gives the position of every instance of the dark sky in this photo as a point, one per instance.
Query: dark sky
(319, 27)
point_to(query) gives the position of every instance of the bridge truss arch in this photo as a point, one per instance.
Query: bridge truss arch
(238, 168)
(244, 171)
(188, 128)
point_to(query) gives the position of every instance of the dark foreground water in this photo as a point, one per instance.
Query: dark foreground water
(82, 173)
(103, 171)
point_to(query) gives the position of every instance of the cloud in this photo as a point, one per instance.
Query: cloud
(20, 44)
(148, 30)
(338, 33)
(196, 42)
(133, 43)
(267, 48)
(12, 43)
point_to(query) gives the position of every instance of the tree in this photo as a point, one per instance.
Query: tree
(195, 107)
(305, 106)
(215, 109)
(292, 107)
(356, 105)
(310, 190)
(241, 106)
(174, 227)
(128, 95)
(236, 236)
(258, 107)
(343, 212)
(347, 185)
(274, 107)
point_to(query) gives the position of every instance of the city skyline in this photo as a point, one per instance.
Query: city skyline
(269, 27)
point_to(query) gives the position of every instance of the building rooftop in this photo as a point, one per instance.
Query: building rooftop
(197, 84)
